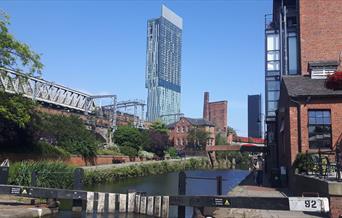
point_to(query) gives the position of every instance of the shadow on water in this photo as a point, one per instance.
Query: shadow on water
(166, 184)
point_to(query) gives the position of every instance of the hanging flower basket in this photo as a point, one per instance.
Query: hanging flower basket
(334, 81)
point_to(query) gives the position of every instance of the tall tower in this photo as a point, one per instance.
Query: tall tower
(206, 106)
(163, 67)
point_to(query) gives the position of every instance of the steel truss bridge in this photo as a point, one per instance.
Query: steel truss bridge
(51, 93)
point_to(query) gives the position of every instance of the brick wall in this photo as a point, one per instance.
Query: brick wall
(218, 115)
(180, 133)
(335, 206)
(320, 31)
(288, 144)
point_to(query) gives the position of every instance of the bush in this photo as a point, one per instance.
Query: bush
(49, 151)
(49, 174)
(129, 151)
(172, 152)
(110, 151)
(157, 168)
(304, 162)
(145, 154)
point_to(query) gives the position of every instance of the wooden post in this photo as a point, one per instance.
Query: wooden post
(181, 191)
(111, 203)
(150, 205)
(131, 201)
(137, 204)
(165, 207)
(157, 206)
(101, 203)
(77, 185)
(219, 185)
(90, 202)
(143, 201)
(123, 203)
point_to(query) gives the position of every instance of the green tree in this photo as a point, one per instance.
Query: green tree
(159, 126)
(128, 136)
(14, 54)
(68, 132)
(198, 137)
(220, 140)
(231, 130)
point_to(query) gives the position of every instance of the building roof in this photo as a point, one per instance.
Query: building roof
(298, 86)
(194, 122)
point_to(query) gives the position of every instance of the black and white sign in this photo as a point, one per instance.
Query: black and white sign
(313, 204)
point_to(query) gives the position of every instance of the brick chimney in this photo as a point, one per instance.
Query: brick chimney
(206, 106)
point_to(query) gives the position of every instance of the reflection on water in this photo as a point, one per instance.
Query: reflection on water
(166, 184)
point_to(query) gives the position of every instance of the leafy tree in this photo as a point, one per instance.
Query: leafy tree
(230, 130)
(159, 126)
(220, 140)
(16, 115)
(129, 151)
(198, 137)
(128, 135)
(16, 108)
(69, 132)
(158, 142)
(14, 54)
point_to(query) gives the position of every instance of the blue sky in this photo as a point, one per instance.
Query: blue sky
(100, 47)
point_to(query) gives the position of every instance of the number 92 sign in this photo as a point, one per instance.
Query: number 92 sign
(313, 204)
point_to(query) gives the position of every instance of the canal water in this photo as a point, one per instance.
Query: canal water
(167, 184)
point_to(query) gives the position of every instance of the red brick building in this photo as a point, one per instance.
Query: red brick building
(309, 118)
(216, 112)
(179, 131)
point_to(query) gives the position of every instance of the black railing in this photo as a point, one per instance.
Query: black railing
(322, 167)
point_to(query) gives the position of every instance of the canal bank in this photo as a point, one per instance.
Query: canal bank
(108, 173)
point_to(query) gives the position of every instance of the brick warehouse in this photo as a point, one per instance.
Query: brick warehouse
(303, 37)
(216, 112)
(179, 131)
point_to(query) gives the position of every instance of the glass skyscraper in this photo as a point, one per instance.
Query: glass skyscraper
(163, 67)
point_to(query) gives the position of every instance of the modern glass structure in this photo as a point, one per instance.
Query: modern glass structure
(281, 51)
(254, 116)
(163, 67)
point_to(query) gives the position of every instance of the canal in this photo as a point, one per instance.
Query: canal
(167, 184)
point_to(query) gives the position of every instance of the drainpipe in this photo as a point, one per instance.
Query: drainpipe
(299, 126)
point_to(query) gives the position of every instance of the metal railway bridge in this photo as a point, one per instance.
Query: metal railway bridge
(59, 96)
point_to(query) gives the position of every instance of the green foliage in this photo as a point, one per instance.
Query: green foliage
(68, 132)
(172, 151)
(230, 130)
(305, 162)
(49, 151)
(16, 55)
(242, 160)
(128, 136)
(198, 138)
(159, 127)
(49, 174)
(220, 140)
(145, 154)
(157, 168)
(157, 142)
(16, 109)
(110, 151)
(129, 151)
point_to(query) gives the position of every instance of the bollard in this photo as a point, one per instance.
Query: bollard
(34, 179)
(77, 185)
(181, 191)
(4, 175)
(219, 185)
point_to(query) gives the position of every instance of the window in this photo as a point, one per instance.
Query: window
(319, 129)
(292, 54)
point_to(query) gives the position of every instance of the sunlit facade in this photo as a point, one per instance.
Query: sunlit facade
(163, 67)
